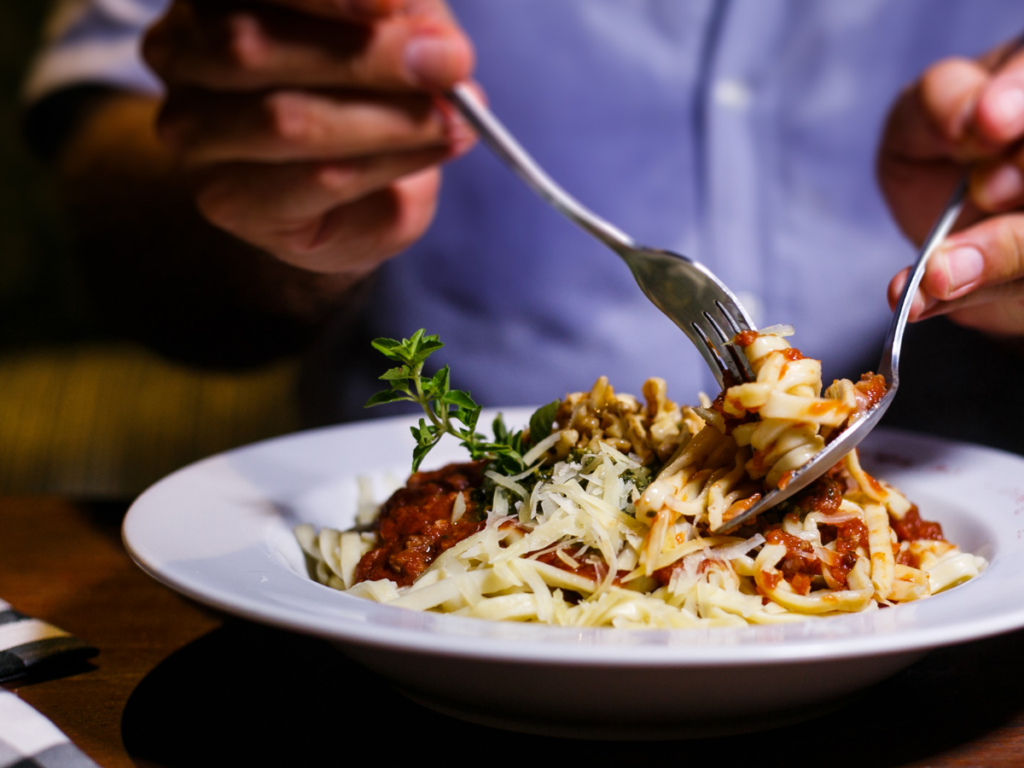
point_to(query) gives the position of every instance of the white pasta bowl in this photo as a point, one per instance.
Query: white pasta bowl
(220, 532)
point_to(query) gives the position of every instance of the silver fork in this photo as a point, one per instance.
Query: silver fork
(685, 290)
(888, 366)
(699, 303)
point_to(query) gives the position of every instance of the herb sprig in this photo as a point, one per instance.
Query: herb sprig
(451, 411)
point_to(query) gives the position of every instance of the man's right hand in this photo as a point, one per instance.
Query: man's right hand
(311, 128)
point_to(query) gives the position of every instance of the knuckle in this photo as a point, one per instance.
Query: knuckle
(216, 200)
(1011, 246)
(339, 181)
(245, 44)
(303, 243)
(948, 90)
(289, 117)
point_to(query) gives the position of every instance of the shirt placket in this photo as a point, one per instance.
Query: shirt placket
(745, 42)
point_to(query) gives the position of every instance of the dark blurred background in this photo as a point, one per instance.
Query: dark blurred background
(81, 410)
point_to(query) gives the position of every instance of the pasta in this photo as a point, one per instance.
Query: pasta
(610, 523)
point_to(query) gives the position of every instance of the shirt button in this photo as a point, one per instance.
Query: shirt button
(731, 94)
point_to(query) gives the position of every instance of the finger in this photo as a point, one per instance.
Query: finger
(998, 185)
(355, 238)
(253, 199)
(254, 47)
(999, 115)
(989, 253)
(350, 10)
(291, 126)
(996, 309)
(919, 305)
(931, 119)
(369, 10)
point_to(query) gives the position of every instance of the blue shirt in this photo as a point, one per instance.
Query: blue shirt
(741, 133)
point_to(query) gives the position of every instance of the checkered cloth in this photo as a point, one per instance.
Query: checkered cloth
(27, 739)
(30, 645)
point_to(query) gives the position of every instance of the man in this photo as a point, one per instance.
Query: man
(740, 133)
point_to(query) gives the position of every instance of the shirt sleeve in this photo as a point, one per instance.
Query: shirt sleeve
(94, 42)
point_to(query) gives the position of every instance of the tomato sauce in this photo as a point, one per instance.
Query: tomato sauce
(731, 422)
(737, 508)
(913, 528)
(823, 495)
(745, 338)
(801, 564)
(587, 570)
(869, 390)
(415, 525)
(849, 536)
(664, 575)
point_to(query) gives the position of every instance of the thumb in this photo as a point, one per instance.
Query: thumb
(438, 54)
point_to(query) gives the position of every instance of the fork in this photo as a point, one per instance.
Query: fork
(888, 366)
(686, 291)
(690, 295)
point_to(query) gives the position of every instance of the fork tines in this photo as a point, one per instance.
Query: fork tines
(732, 363)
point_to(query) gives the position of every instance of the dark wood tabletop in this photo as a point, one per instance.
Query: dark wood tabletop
(177, 685)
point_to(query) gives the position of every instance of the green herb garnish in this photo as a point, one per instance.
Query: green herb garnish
(451, 411)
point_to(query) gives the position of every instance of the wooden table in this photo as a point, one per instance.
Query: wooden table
(175, 685)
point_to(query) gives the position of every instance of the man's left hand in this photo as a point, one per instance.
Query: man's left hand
(962, 117)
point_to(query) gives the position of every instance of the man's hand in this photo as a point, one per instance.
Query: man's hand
(962, 117)
(310, 128)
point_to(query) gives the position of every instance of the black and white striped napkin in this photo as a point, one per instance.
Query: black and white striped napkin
(30, 645)
(27, 738)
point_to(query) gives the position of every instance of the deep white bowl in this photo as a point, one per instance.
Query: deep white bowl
(219, 531)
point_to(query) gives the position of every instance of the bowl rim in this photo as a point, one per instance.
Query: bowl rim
(231, 489)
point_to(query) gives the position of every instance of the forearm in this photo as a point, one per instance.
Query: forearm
(159, 272)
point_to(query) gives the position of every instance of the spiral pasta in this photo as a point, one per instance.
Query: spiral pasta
(611, 523)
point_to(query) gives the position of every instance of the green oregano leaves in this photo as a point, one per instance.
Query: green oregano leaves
(451, 411)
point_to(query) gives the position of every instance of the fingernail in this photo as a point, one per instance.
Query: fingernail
(963, 266)
(1009, 105)
(1003, 186)
(430, 59)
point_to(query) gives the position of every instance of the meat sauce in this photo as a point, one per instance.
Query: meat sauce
(664, 575)
(746, 338)
(913, 528)
(415, 525)
(869, 390)
(801, 564)
(587, 570)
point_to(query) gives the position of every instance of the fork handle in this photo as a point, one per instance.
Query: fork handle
(894, 339)
(954, 206)
(511, 152)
